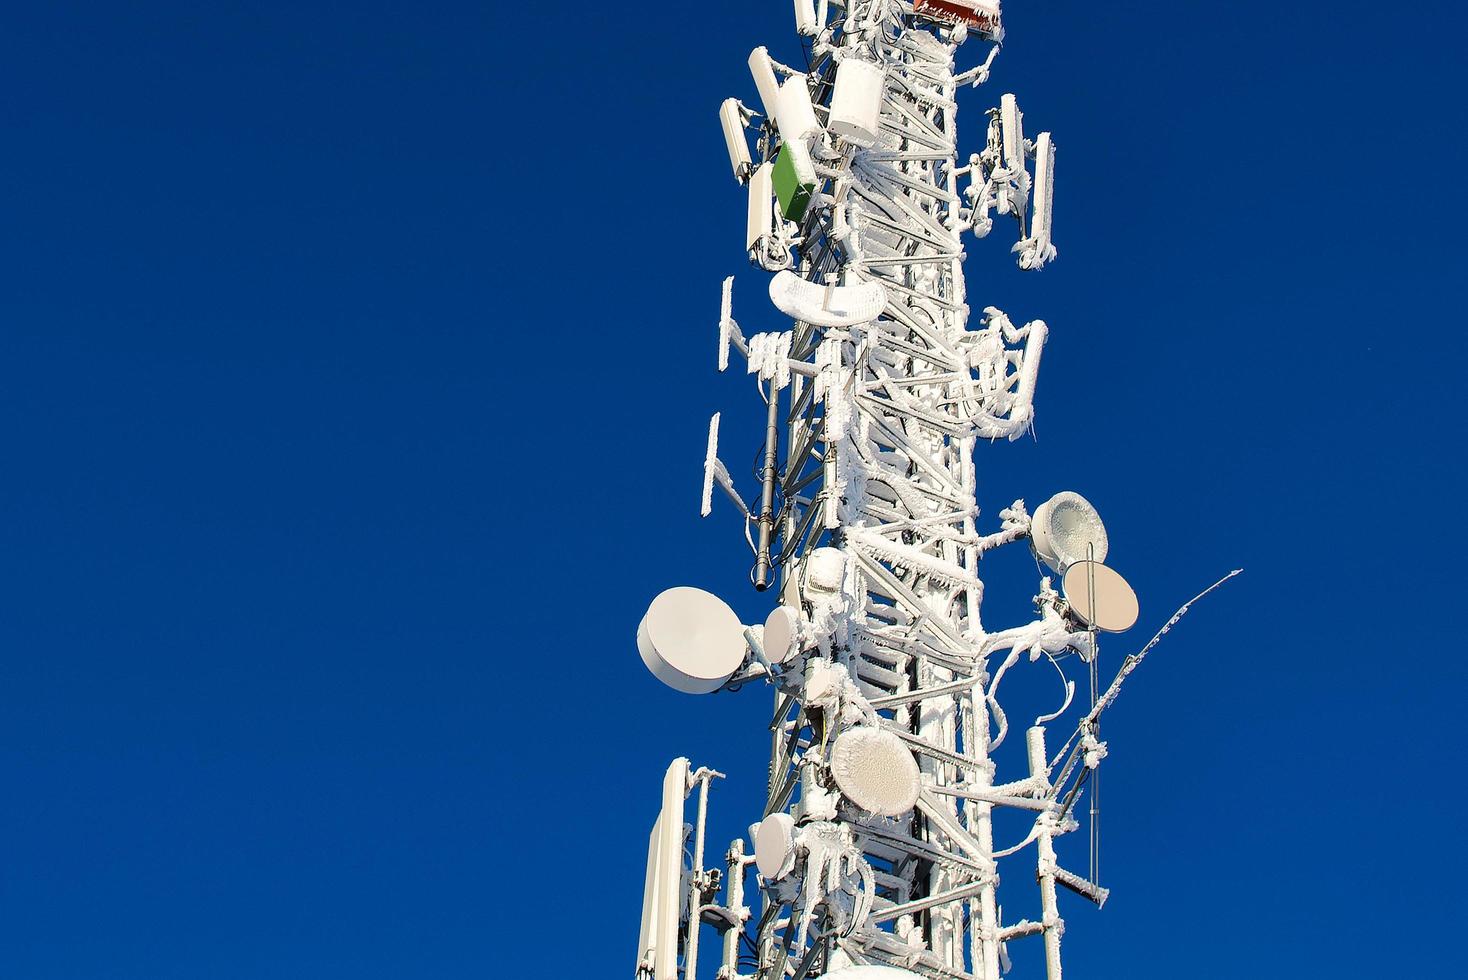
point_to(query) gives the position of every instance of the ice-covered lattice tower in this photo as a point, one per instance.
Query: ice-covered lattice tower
(875, 854)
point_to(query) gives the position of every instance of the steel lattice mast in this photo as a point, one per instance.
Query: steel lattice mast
(876, 848)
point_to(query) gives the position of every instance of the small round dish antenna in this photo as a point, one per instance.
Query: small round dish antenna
(1100, 597)
(875, 770)
(691, 640)
(774, 846)
(1066, 529)
(781, 631)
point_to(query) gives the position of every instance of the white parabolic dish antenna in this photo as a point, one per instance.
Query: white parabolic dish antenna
(1111, 608)
(875, 770)
(1066, 529)
(827, 306)
(691, 640)
(774, 846)
(781, 629)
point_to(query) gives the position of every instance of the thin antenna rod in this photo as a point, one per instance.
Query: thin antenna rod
(1134, 660)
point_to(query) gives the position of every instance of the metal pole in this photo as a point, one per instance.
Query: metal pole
(769, 473)
(696, 888)
(984, 927)
(735, 886)
(1054, 925)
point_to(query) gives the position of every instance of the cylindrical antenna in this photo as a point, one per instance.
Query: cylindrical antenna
(769, 473)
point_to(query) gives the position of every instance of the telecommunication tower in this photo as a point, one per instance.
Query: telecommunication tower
(875, 856)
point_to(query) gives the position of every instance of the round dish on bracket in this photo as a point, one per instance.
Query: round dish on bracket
(782, 629)
(1066, 529)
(1100, 597)
(691, 640)
(875, 770)
(774, 846)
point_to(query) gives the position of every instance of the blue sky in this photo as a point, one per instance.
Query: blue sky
(355, 363)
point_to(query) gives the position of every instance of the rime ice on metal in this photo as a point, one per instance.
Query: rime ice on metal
(875, 854)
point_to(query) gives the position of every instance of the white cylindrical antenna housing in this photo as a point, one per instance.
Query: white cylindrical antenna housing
(731, 118)
(805, 17)
(1040, 227)
(669, 897)
(1035, 749)
(761, 220)
(856, 103)
(797, 117)
(763, 70)
(1012, 128)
